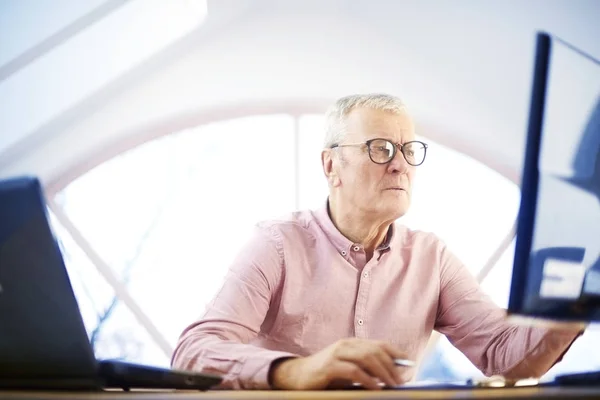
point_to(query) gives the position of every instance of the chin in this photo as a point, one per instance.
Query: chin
(401, 209)
(400, 214)
(397, 212)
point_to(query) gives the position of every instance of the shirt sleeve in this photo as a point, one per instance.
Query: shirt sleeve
(218, 342)
(479, 328)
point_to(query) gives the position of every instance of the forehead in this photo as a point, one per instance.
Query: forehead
(366, 123)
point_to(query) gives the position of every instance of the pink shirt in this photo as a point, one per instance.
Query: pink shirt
(299, 285)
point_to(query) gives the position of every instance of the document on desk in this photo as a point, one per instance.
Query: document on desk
(492, 382)
(433, 385)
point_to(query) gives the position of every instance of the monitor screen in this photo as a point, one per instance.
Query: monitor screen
(556, 272)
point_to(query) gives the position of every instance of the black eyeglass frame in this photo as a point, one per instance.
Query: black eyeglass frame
(395, 146)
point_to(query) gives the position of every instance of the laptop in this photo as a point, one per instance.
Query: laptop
(43, 340)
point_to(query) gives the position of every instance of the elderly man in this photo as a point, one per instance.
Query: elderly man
(335, 295)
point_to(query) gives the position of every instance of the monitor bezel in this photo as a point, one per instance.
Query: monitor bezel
(530, 175)
(518, 305)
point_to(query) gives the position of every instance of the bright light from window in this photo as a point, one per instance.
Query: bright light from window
(168, 218)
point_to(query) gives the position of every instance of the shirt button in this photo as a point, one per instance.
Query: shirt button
(360, 321)
(365, 275)
(343, 252)
(356, 248)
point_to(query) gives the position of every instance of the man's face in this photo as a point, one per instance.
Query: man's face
(382, 190)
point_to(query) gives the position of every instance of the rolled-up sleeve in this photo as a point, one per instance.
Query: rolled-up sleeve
(219, 342)
(479, 328)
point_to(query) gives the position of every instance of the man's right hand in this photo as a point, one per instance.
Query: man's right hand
(345, 362)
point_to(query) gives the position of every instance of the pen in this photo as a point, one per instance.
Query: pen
(400, 362)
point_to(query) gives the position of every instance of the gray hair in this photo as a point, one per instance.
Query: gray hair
(335, 117)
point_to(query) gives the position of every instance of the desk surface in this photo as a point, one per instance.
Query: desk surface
(513, 393)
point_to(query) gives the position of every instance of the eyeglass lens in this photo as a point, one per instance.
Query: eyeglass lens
(382, 151)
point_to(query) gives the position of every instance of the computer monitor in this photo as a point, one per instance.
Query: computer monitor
(556, 270)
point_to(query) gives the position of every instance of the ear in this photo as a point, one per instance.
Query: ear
(330, 167)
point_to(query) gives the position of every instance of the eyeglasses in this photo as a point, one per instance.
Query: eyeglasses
(382, 151)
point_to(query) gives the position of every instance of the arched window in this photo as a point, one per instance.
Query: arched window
(149, 234)
(167, 217)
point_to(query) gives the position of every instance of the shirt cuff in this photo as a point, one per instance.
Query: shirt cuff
(570, 338)
(256, 369)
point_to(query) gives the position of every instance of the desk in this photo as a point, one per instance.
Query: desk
(513, 393)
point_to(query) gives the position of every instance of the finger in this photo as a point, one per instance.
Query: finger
(393, 352)
(388, 363)
(373, 358)
(373, 364)
(354, 373)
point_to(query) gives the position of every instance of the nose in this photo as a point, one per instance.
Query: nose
(398, 163)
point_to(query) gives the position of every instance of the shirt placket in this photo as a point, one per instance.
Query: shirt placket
(360, 310)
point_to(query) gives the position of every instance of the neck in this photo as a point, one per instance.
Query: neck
(359, 227)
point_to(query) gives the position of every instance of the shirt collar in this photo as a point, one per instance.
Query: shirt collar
(341, 242)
